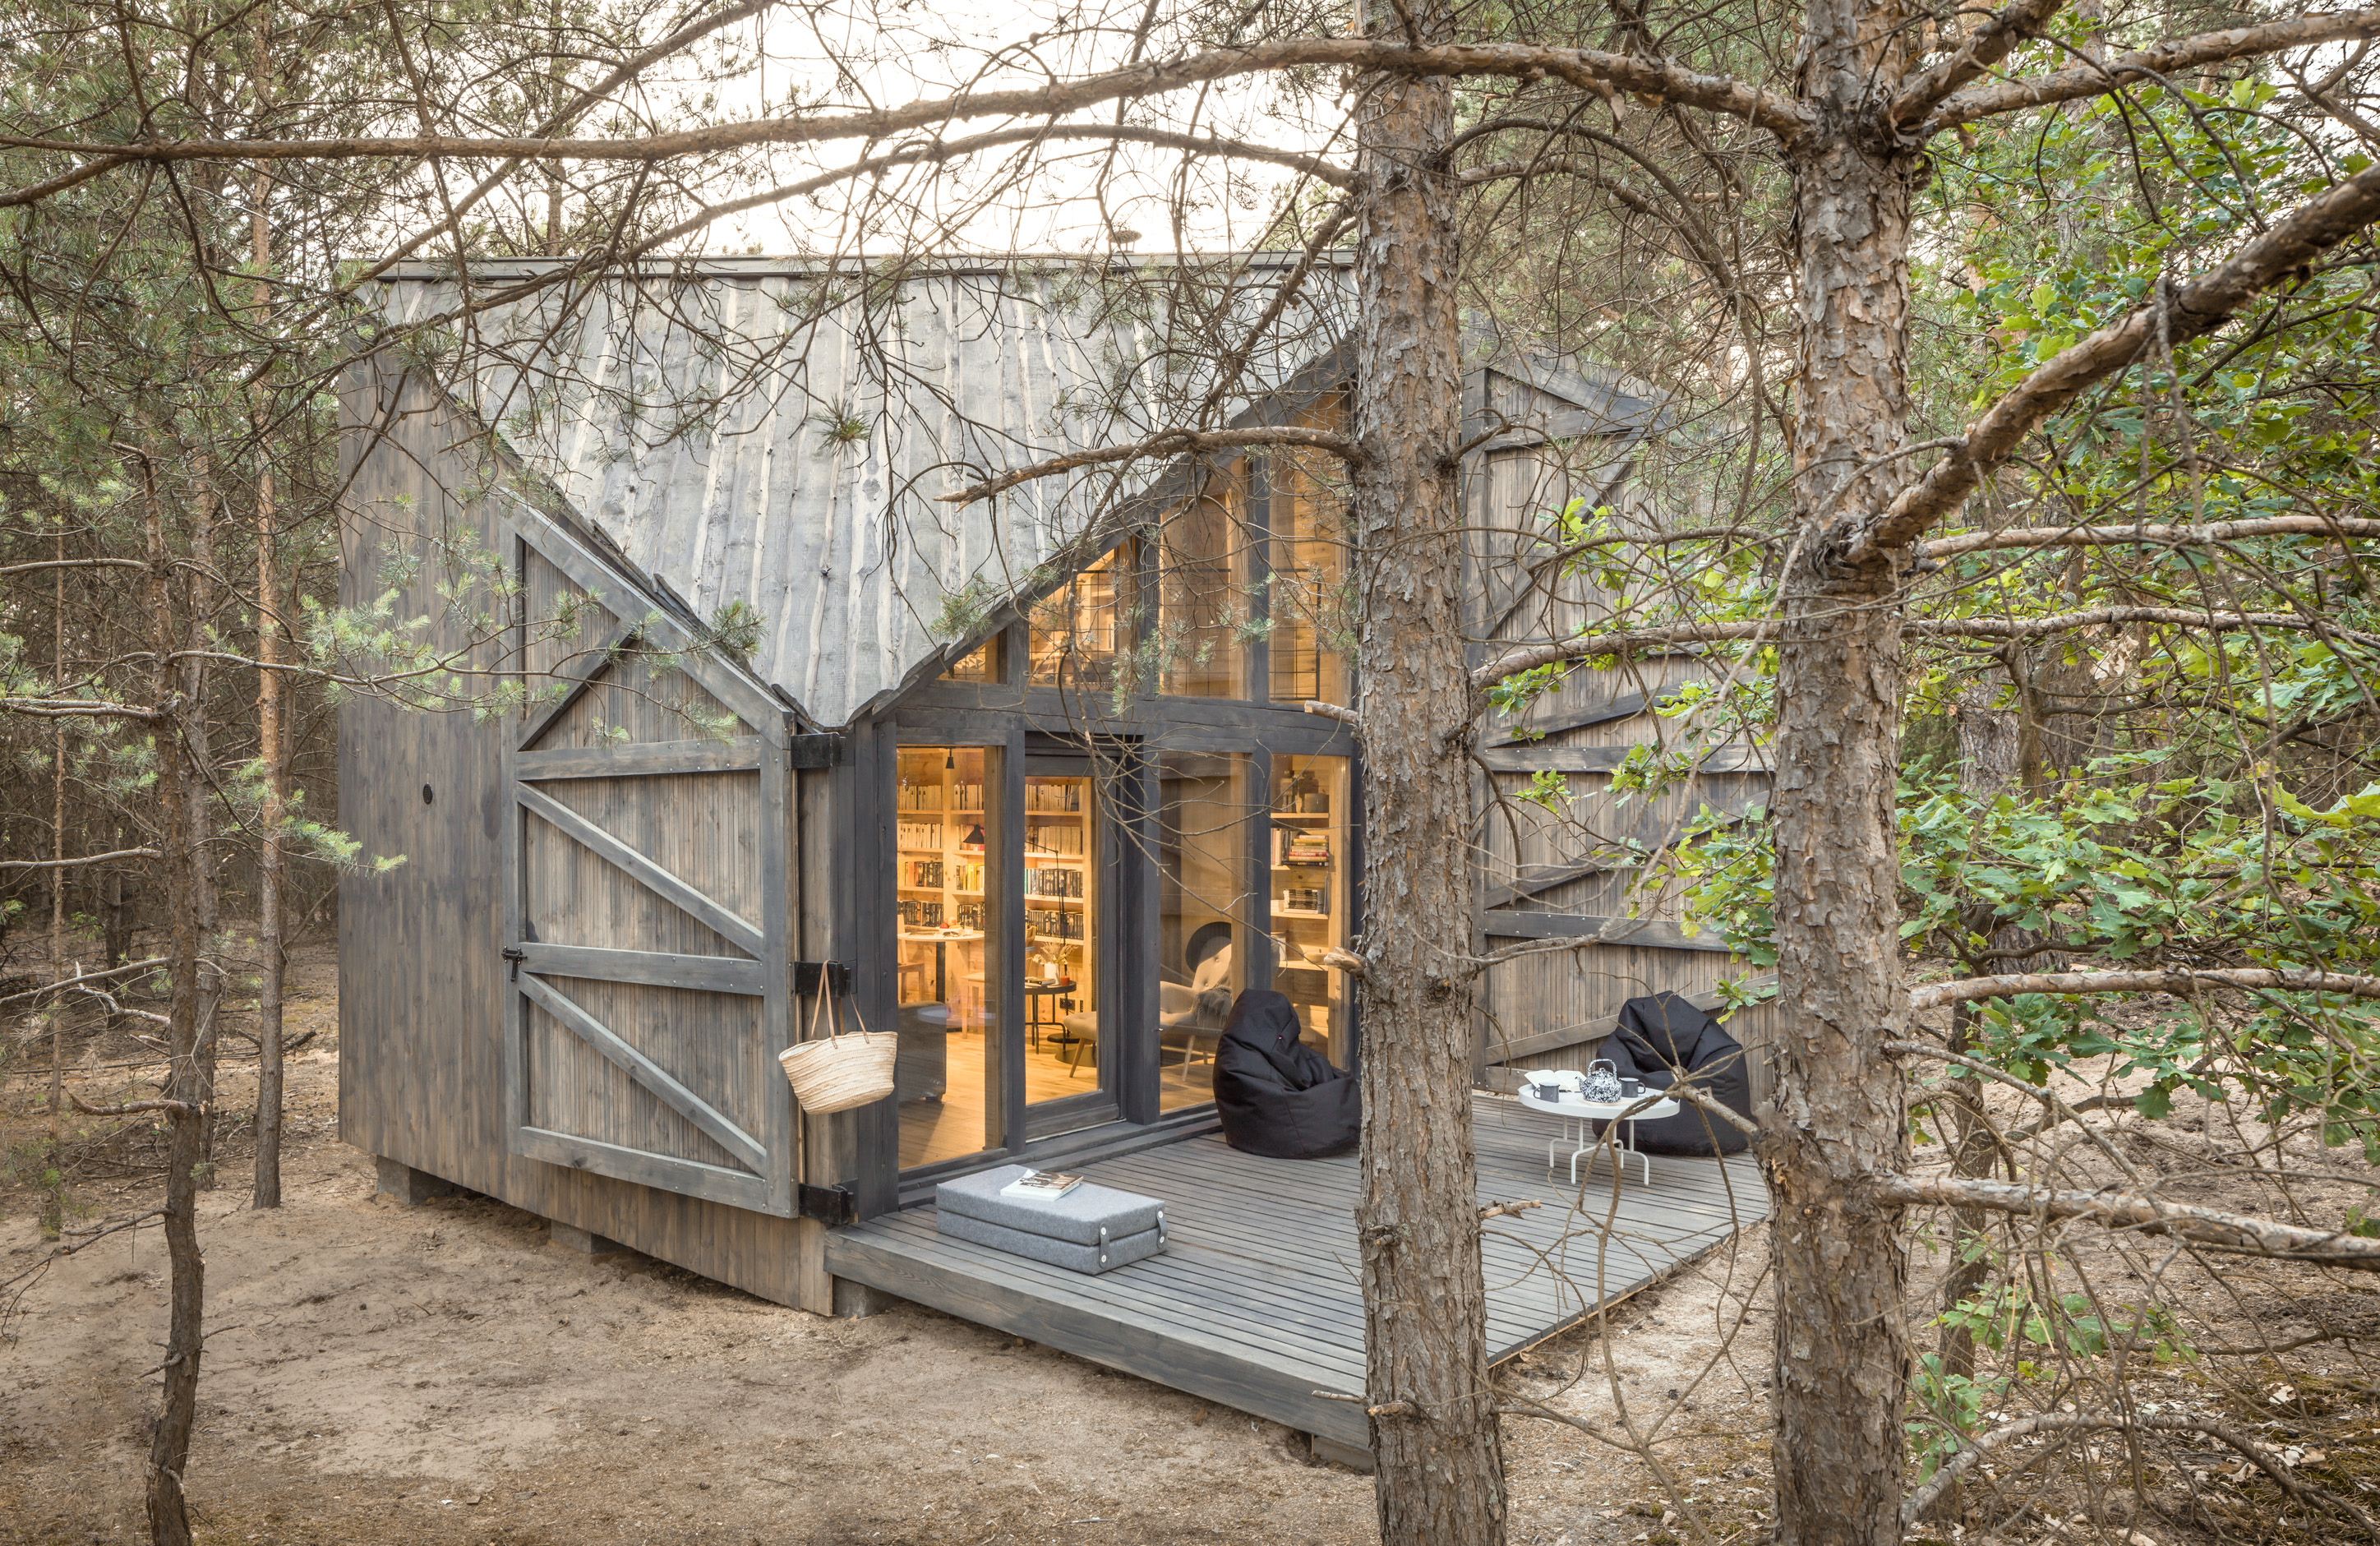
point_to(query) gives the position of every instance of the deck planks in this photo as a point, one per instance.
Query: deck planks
(1254, 1303)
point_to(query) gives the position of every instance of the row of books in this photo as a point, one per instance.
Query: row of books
(932, 874)
(1054, 882)
(929, 796)
(1066, 796)
(919, 914)
(1053, 838)
(917, 834)
(1301, 846)
(1053, 923)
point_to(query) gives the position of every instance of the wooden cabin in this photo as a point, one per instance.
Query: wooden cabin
(744, 713)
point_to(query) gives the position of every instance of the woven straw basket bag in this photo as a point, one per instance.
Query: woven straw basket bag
(844, 1070)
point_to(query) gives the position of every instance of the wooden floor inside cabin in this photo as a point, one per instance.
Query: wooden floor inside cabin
(1254, 1304)
(952, 1124)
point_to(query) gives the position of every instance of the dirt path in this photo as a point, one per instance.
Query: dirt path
(378, 1374)
(442, 1374)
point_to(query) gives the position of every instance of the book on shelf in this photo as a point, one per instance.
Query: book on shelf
(917, 834)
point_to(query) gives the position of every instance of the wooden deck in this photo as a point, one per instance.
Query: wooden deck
(1254, 1303)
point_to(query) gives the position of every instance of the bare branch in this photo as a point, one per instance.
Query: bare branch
(130, 1108)
(2177, 979)
(1174, 443)
(2237, 1232)
(2116, 616)
(1339, 711)
(2147, 536)
(70, 863)
(2165, 58)
(2181, 312)
(8, 569)
(1972, 62)
(1644, 75)
(1531, 656)
(73, 707)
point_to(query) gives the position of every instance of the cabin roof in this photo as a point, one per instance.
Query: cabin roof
(770, 438)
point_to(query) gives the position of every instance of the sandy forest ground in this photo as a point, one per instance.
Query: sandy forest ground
(441, 1374)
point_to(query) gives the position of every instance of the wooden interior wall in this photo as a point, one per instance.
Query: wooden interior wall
(422, 985)
(1568, 880)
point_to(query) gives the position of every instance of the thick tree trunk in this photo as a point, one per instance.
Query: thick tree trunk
(169, 1447)
(1841, 1347)
(1434, 1432)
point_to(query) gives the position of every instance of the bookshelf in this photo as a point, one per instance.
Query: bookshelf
(1308, 896)
(939, 879)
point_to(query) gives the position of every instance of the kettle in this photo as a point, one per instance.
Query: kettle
(1602, 1082)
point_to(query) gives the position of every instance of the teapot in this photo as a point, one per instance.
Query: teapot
(1602, 1082)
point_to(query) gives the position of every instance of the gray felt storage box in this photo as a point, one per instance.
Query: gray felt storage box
(1091, 1229)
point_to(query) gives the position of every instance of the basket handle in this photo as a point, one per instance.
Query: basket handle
(819, 1006)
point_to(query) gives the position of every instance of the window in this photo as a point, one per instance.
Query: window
(978, 664)
(1202, 603)
(1310, 895)
(1205, 828)
(1308, 510)
(1080, 636)
(1062, 912)
(946, 1074)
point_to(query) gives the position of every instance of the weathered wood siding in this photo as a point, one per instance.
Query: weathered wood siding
(1575, 871)
(424, 988)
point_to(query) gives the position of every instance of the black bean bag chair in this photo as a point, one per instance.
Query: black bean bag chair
(1662, 1036)
(1277, 1096)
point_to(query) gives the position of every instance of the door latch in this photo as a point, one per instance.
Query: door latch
(515, 955)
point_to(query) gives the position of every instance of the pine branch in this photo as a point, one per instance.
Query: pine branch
(1987, 47)
(2208, 535)
(2238, 1234)
(2148, 64)
(2178, 314)
(1175, 443)
(1647, 76)
(2178, 981)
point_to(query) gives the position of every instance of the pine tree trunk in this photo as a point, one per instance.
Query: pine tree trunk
(1842, 1355)
(271, 862)
(58, 853)
(1439, 1480)
(169, 1448)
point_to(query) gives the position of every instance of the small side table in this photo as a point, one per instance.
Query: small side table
(1579, 1119)
(1036, 991)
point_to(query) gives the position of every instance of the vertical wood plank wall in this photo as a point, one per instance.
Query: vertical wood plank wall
(422, 985)
(1548, 876)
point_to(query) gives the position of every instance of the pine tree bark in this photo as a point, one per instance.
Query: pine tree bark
(1842, 1356)
(1440, 1477)
(187, 1081)
(271, 864)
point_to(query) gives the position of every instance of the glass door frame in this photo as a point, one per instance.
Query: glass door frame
(1111, 855)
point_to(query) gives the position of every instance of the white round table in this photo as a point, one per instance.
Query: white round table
(1578, 1127)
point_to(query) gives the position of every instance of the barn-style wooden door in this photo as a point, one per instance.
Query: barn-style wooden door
(649, 963)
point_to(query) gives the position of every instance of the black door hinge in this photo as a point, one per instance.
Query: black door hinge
(805, 977)
(835, 1204)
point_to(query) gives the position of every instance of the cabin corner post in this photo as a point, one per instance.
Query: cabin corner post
(780, 925)
(821, 850)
